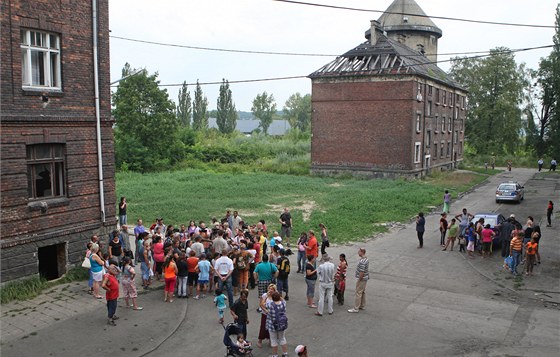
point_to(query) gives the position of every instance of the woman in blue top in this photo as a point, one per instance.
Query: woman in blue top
(96, 269)
(471, 237)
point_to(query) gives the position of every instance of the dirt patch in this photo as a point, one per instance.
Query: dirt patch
(306, 207)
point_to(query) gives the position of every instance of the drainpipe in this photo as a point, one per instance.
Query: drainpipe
(97, 114)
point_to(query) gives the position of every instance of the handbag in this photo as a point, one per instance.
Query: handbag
(86, 263)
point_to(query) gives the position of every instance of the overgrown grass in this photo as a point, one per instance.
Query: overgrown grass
(350, 208)
(29, 288)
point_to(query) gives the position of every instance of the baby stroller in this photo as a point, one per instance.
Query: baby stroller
(230, 338)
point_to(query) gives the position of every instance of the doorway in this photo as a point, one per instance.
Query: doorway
(52, 261)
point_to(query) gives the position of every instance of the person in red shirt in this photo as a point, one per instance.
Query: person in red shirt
(192, 262)
(311, 247)
(487, 235)
(111, 286)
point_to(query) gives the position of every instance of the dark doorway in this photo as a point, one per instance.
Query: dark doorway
(52, 261)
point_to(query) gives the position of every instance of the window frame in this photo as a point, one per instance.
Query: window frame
(417, 152)
(418, 122)
(47, 58)
(55, 162)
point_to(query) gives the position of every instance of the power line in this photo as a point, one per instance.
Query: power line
(305, 76)
(417, 15)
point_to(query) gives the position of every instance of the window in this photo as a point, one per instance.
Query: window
(437, 95)
(45, 170)
(448, 148)
(429, 108)
(442, 148)
(418, 122)
(450, 99)
(462, 124)
(456, 136)
(436, 127)
(435, 151)
(463, 100)
(442, 125)
(449, 124)
(428, 138)
(417, 152)
(444, 98)
(430, 88)
(40, 60)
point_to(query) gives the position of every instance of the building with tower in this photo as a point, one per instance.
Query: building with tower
(384, 108)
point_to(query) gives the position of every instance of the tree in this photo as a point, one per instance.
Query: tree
(200, 109)
(146, 125)
(298, 111)
(226, 114)
(184, 106)
(264, 109)
(495, 86)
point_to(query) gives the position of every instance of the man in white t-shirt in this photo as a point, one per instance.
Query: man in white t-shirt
(224, 268)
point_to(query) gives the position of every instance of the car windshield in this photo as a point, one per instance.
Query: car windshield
(507, 187)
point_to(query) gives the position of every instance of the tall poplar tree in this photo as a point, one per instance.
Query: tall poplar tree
(226, 114)
(184, 106)
(200, 109)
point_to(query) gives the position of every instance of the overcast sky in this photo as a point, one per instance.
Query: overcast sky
(266, 25)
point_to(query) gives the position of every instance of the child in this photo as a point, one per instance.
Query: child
(111, 286)
(461, 244)
(242, 344)
(531, 249)
(220, 301)
(203, 267)
(129, 287)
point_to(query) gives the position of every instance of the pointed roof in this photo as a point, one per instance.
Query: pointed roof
(406, 15)
(386, 57)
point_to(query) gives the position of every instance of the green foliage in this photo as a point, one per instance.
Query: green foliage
(146, 125)
(495, 86)
(264, 109)
(200, 109)
(226, 114)
(184, 106)
(298, 111)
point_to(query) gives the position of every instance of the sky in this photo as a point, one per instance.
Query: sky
(270, 26)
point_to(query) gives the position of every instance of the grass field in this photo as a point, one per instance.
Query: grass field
(352, 209)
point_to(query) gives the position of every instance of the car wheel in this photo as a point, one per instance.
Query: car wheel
(497, 201)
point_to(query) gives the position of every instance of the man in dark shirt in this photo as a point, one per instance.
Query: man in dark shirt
(286, 221)
(505, 232)
(239, 311)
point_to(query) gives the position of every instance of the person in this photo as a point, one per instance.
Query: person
(192, 274)
(125, 242)
(235, 221)
(362, 277)
(283, 265)
(90, 280)
(506, 229)
(276, 323)
(264, 273)
(182, 275)
(219, 244)
(145, 254)
(197, 246)
(340, 279)
(242, 343)
(203, 268)
(243, 265)
(122, 211)
(464, 218)
(324, 240)
(516, 247)
(138, 230)
(220, 302)
(170, 276)
(97, 269)
(420, 228)
(553, 164)
(531, 249)
(115, 248)
(487, 235)
(325, 273)
(470, 235)
(310, 280)
(442, 228)
(301, 350)
(453, 232)
(446, 201)
(158, 254)
(549, 210)
(301, 252)
(111, 286)
(311, 246)
(527, 235)
(286, 222)
(223, 267)
(265, 298)
(540, 163)
(462, 242)
(129, 287)
(239, 311)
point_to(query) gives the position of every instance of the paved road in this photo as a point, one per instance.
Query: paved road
(420, 301)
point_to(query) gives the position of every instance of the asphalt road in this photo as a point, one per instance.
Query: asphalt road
(421, 302)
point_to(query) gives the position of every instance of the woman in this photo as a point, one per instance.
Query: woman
(310, 280)
(264, 299)
(442, 228)
(487, 235)
(122, 211)
(90, 280)
(301, 252)
(192, 227)
(453, 232)
(324, 240)
(97, 270)
(145, 254)
(340, 279)
(158, 254)
(420, 228)
(115, 249)
(273, 310)
(549, 210)
(170, 274)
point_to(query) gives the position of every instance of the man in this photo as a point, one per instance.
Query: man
(286, 221)
(553, 164)
(362, 276)
(239, 311)
(311, 246)
(159, 223)
(197, 246)
(325, 273)
(236, 220)
(505, 231)
(283, 264)
(420, 228)
(464, 218)
(220, 244)
(137, 231)
(540, 163)
(515, 248)
(123, 237)
(224, 268)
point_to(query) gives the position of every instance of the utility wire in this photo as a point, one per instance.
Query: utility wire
(417, 15)
(305, 76)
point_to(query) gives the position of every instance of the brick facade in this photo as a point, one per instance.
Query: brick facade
(68, 119)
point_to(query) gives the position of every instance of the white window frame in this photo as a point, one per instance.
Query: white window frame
(40, 60)
(418, 122)
(417, 152)
(443, 124)
(449, 124)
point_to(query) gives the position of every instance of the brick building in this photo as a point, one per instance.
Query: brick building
(57, 179)
(384, 109)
